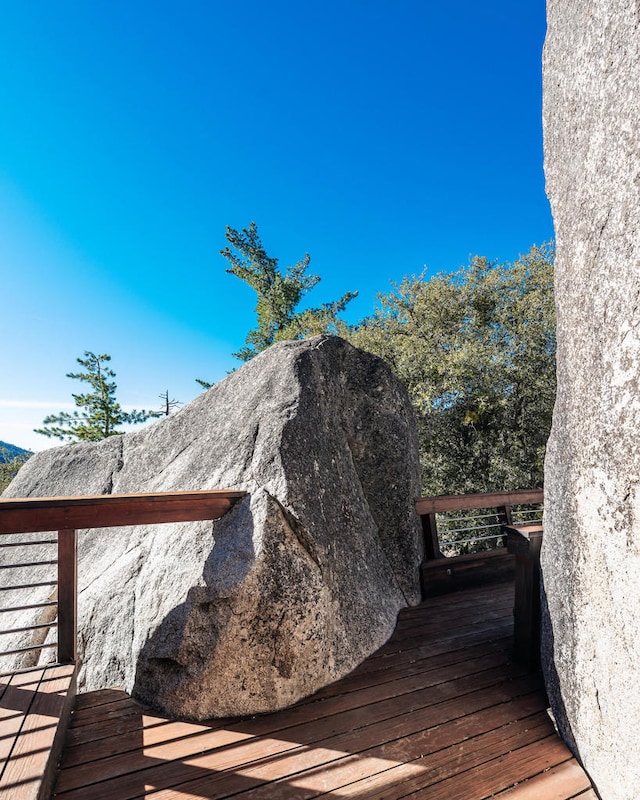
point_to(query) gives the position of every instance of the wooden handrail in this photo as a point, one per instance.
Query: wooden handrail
(462, 502)
(36, 514)
(68, 514)
(428, 507)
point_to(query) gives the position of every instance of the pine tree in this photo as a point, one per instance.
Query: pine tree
(100, 413)
(279, 294)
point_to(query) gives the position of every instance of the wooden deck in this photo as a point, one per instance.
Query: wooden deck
(34, 709)
(439, 713)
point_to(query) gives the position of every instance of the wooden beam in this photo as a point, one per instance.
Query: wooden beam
(524, 541)
(430, 534)
(462, 502)
(506, 514)
(36, 514)
(67, 597)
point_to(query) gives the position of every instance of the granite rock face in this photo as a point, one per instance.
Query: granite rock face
(591, 550)
(292, 588)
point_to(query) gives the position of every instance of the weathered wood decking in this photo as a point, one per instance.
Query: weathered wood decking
(440, 713)
(34, 708)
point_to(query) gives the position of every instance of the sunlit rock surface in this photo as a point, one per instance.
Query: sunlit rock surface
(591, 550)
(299, 582)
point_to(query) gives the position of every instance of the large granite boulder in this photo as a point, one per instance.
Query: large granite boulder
(292, 588)
(591, 550)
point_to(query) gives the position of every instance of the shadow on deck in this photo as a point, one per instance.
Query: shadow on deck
(35, 705)
(440, 712)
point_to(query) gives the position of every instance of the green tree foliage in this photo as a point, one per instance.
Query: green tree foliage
(10, 451)
(100, 413)
(9, 466)
(279, 294)
(476, 351)
(204, 384)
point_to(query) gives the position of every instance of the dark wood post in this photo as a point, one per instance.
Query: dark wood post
(67, 597)
(506, 512)
(430, 533)
(525, 541)
(505, 517)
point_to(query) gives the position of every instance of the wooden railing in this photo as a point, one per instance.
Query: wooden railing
(503, 508)
(524, 542)
(464, 537)
(512, 516)
(67, 515)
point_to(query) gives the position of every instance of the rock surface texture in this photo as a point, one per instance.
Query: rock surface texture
(591, 550)
(292, 588)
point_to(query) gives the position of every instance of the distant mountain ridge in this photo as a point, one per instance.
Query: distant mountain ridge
(9, 451)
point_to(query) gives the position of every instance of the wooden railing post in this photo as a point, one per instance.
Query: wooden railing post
(506, 512)
(430, 533)
(525, 541)
(67, 597)
(69, 514)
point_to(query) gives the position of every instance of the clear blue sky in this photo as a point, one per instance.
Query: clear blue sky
(378, 135)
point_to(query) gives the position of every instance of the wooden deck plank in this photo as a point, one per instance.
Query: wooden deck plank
(451, 633)
(18, 693)
(402, 683)
(132, 718)
(275, 755)
(275, 733)
(449, 629)
(98, 698)
(566, 781)
(438, 713)
(89, 729)
(465, 597)
(481, 635)
(436, 764)
(447, 762)
(436, 626)
(444, 621)
(102, 713)
(492, 663)
(495, 775)
(304, 774)
(157, 731)
(208, 741)
(33, 758)
(390, 671)
(160, 733)
(497, 597)
(457, 777)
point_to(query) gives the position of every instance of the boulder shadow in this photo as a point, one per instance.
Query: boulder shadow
(188, 633)
(551, 677)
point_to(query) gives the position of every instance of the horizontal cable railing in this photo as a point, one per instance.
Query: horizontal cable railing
(35, 628)
(67, 515)
(450, 530)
